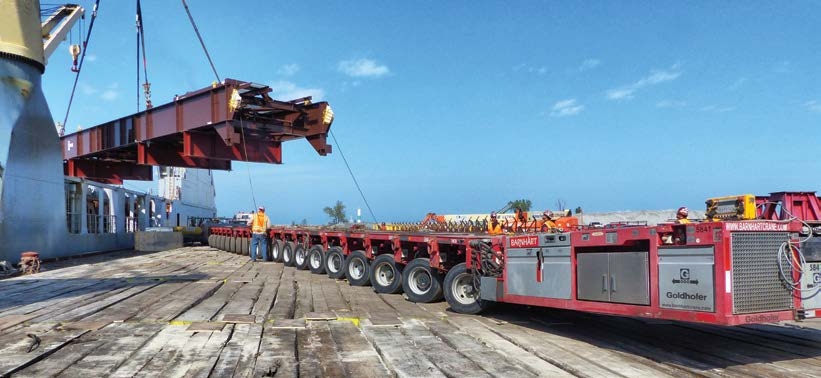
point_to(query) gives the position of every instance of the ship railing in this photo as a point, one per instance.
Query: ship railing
(74, 222)
(93, 220)
(132, 224)
(109, 224)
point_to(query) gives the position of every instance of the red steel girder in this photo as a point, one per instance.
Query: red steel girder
(169, 157)
(252, 149)
(804, 205)
(109, 172)
(208, 128)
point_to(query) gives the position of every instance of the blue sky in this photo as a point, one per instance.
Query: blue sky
(459, 107)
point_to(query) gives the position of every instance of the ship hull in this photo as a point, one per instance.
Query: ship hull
(32, 198)
(43, 210)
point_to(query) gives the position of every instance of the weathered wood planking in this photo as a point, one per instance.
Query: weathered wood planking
(131, 316)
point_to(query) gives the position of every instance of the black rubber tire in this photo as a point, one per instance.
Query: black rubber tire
(316, 259)
(386, 275)
(300, 257)
(270, 248)
(276, 250)
(358, 269)
(211, 240)
(245, 246)
(221, 242)
(232, 244)
(460, 293)
(288, 253)
(335, 263)
(421, 283)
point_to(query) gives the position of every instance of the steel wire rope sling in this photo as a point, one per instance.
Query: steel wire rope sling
(353, 177)
(213, 68)
(82, 59)
(141, 42)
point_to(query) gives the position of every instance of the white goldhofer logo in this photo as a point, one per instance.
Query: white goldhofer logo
(69, 145)
(756, 226)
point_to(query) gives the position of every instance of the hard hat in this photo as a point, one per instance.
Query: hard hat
(548, 214)
(683, 211)
(262, 208)
(493, 214)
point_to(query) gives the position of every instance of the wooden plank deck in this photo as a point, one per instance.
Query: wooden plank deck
(200, 312)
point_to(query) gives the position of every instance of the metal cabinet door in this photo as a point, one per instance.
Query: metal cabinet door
(520, 264)
(629, 278)
(525, 278)
(592, 279)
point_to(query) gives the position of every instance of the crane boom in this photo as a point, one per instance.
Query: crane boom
(58, 24)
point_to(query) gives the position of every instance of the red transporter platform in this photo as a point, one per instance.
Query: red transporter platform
(727, 273)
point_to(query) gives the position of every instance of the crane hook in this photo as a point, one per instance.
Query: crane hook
(75, 53)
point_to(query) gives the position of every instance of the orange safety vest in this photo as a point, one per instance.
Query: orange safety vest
(260, 223)
(547, 225)
(494, 230)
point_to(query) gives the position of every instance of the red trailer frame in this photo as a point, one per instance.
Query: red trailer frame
(718, 236)
(723, 273)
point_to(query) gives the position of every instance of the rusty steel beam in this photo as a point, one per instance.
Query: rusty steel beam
(253, 149)
(168, 157)
(208, 128)
(109, 172)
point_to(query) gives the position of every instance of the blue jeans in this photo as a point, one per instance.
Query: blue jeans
(259, 240)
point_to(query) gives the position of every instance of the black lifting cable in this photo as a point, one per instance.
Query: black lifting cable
(137, 97)
(141, 42)
(201, 41)
(247, 163)
(82, 58)
(338, 147)
(241, 127)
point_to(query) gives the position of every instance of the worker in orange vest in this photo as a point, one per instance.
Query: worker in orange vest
(519, 220)
(547, 221)
(259, 225)
(681, 215)
(494, 227)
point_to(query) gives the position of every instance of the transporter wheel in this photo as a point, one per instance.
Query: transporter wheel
(232, 244)
(276, 250)
(461, 294)
(245, 246)
(421, 283)
(288, 254)
(386, 275)
(211, 240)
(221, 242)
(300, 257)
(316, 259)
(335, 263)
(358, 269)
